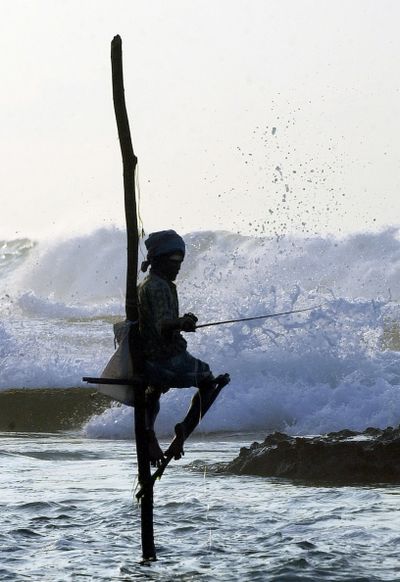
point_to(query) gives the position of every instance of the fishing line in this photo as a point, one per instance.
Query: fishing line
(207, 505)
(141, 231)
(139, 197)
(205, 465)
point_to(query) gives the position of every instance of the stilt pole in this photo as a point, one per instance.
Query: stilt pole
(129, 161)
(144, 472)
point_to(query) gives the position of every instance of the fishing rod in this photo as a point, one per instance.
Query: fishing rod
(258, 317)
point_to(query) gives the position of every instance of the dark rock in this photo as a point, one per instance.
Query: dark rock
(344, 457)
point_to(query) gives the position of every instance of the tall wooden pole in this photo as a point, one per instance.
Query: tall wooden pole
(129, 161)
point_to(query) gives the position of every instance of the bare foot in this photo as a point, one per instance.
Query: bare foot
(222, 380)
(175, 449)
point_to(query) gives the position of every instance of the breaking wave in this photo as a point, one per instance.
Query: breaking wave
(334, 367)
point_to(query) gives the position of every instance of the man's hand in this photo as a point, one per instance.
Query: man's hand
(188, 322)
(185, 323)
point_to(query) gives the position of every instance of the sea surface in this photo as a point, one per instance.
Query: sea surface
(67, 497)
(68, 513)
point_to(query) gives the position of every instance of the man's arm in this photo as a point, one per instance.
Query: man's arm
(156, 301)
(185, 323)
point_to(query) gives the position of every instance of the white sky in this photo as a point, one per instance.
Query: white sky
(206, 81)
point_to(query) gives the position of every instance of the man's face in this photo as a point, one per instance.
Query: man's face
(172, 265)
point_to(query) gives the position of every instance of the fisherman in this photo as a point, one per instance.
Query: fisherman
(167, 362)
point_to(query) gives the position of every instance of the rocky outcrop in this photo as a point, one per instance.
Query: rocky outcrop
(49, 409)
(340, 457)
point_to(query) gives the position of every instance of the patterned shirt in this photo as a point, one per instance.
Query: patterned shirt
(158, 301)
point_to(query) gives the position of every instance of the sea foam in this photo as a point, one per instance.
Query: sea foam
(333, 367)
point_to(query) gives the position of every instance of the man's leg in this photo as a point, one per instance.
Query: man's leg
(152, 406)
(152, 410)
(184, 371)
(199, 405)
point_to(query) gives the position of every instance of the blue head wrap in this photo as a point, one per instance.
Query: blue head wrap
(163, 242)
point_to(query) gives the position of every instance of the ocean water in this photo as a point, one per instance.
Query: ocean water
(67, 498)
(68, 514)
